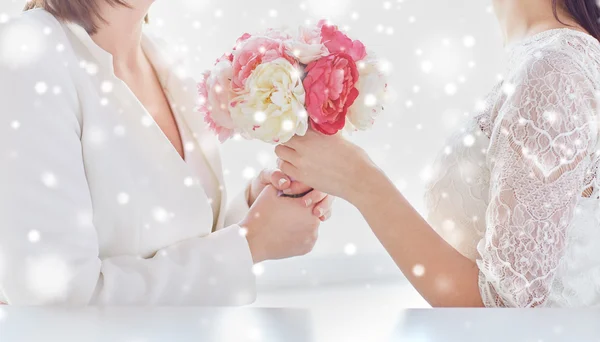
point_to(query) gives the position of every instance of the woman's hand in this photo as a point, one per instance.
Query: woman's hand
(320, 201)
(329, 163)
(280, 227)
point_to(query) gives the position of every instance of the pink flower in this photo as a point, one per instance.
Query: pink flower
(308, 47)
(278, 34)
(241, 40)
(330, 90)
(253, 52)
(228, 55)
(215, 95)
(337, 42)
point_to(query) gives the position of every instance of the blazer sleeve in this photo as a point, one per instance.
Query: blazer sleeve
(49, 249)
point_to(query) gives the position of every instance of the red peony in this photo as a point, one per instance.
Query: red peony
(330, 90)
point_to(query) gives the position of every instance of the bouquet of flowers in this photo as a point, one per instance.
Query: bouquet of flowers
(275, 85)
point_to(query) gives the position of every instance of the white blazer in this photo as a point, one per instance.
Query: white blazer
(96, 206)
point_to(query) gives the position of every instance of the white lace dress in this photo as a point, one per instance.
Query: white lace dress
(516, 188)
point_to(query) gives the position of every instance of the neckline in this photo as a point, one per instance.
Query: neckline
(548, 33)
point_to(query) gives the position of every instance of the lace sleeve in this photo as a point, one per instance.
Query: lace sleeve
(539, 157)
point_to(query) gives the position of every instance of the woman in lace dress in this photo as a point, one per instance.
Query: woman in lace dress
(514, 208)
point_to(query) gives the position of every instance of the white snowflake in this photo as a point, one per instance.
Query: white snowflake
(189, 146)
(249, 173)
(469, 140)
(426, 66)
(106, 87)
(450, 89)
(258, 269)
(91, 68)
(123, 198)
(49, 180)
(188, 181)
(147, 120)
(418, 270)
(260, 117)
(287, 125)
(469, 41)
(370, 100)
(33, 236)
(350, 249)
(48, 277)
(21, 44)
(41, 88)
(160, 215)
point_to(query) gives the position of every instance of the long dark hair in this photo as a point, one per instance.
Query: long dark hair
(585, 12)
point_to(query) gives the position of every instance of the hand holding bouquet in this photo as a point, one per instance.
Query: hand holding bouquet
(276, 85)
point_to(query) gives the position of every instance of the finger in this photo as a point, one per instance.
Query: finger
(297, 188)
(325, 216)
(286, 153)
(288, 168)
(292, 143)
(277, 178)
(313, 198)
(324, 206)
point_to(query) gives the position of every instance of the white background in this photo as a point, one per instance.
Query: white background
(444, 55)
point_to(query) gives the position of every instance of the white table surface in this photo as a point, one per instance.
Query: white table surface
(291, 325)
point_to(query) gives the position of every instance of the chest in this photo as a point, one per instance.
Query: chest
(145, 196)
(146, 87)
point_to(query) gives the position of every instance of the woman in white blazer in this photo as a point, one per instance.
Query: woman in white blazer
(111, 189)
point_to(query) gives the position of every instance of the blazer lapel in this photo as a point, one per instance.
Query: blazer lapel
(182, 92)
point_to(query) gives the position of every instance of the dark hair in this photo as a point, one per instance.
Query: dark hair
(83, 12)
(585, 12)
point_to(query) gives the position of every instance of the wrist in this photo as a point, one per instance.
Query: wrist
(371, 184)
(253, 243)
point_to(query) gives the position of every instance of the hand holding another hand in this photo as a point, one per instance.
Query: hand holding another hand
(280, 227)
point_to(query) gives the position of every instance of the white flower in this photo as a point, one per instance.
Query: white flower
(307, 46)
(272, 108)
(372, 87)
